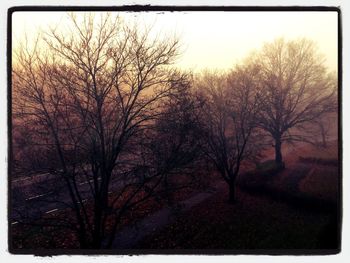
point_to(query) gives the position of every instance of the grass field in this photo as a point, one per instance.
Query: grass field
(293, 209)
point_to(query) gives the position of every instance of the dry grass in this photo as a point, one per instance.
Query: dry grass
(254, 222)
(330, 152)
(322, 182)
(318, 172)
(264, 221)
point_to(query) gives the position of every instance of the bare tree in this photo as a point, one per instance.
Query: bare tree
(325, 129)
(231, 105)
(297, 89)
(91, 95)
(174, 145)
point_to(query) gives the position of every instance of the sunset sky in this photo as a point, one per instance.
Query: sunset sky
(214, 39)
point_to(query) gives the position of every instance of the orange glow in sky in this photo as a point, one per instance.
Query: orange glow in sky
(216, 40)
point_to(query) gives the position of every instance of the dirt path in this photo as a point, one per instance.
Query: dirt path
(131, 235)
(298, 172)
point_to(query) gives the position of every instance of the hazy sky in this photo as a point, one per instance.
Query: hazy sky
(216, 39)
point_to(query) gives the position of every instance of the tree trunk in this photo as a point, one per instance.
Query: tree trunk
(232, 197)
(323, 134)
(82, 238)
(96, 235)
(278, 151)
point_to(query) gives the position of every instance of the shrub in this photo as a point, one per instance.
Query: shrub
(269, 167)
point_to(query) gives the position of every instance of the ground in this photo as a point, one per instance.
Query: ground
(254, 222)
(296, 208)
